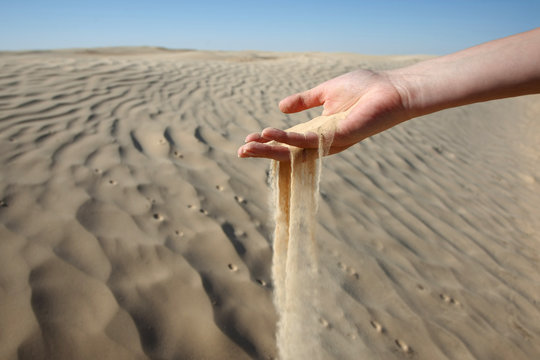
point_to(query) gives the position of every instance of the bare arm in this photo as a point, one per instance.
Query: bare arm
(377, 101)
(498, 69)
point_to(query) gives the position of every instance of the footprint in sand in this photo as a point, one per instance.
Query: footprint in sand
(233, 267)
(149, 140)
(437, 149)
(178, 155)
(324, 323)
(261, 282)
(403, 346)
(449, 300)
(349, 270)
(377, 326)
(240, 199)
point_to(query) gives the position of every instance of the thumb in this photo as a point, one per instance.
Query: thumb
(302, 101)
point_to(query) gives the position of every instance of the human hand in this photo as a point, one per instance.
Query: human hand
(362, 103)
(369, 102)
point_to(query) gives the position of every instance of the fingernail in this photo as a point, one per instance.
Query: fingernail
(242, 153)
(266, 131)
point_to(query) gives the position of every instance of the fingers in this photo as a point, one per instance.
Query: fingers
(307, 140)
(302, 101)
(262, 150)
(275, 152)
(256, 144)
(255, 137)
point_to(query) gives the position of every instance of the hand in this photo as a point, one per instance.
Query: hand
(364, 103)
(369, 102)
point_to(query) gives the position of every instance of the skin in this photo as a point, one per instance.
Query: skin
(376, 101)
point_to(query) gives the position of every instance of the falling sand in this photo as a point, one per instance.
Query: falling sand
(295, 266)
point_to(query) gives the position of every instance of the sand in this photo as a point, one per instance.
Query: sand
(295, 265)
(129, 229)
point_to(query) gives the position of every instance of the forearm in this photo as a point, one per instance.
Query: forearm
(494, 70)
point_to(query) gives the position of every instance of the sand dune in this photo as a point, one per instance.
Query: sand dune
(129, 229)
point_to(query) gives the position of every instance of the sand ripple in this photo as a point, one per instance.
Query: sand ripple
(130, 230)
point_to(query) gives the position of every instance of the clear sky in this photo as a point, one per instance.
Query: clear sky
(369, 27)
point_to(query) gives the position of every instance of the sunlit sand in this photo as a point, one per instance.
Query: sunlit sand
(129, 229)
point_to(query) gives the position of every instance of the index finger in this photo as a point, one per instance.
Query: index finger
(261, 150)
(301, 140)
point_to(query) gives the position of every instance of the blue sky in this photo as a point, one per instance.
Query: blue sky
(369, 27)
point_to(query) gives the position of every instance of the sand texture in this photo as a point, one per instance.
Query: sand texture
(129, 229)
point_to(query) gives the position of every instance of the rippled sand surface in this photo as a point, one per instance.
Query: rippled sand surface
(129, 229)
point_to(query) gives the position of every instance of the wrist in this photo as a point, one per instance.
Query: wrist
(430, 86)
(408, 90)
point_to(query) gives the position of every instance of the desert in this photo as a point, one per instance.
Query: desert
(130, 229)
